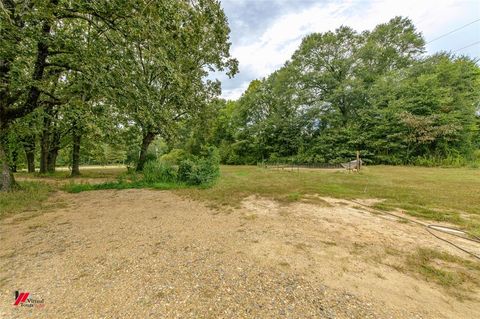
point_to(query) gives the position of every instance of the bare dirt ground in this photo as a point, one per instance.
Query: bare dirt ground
(153, 254)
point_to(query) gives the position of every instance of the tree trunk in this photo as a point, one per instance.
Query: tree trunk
(49, 152)
(52, 160)
(7, 183)
(31, 102)
(44, 147)
(76, 137)
(14, 160)
(28, 143)
(29, 147)
(53, 152)
(146, 141)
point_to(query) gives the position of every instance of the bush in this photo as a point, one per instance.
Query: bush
(432, 161)
(192, 170)
(150, 157)
(174, 157)
(200, 170)
(158, 171)
(187, 171)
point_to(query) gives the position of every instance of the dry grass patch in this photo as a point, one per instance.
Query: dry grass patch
(250, 216)
(456, 274)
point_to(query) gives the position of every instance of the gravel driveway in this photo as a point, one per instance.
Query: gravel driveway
(153, 254)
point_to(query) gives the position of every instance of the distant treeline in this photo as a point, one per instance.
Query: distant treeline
(343, 91)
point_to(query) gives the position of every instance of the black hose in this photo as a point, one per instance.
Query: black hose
(428, 227)
(454, 245)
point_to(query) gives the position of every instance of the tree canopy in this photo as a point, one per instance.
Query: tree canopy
(375, 92)
(76, 67)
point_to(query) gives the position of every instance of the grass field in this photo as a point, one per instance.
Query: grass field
(439, 194)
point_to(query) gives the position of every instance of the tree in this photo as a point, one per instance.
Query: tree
(326, 64)
(430, 107)
(345, 91)
(38, 45)
(159, 75)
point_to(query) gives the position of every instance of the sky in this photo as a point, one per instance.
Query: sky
(265, 33)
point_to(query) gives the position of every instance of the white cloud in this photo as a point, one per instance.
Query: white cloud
(235, 93)
(262, 55)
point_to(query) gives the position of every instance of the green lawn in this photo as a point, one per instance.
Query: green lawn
(440, 194)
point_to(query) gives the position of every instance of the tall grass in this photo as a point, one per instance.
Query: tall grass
(28, 197)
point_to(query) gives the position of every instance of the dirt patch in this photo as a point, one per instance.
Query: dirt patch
(152, 254)
(260, 206)
(345, 244)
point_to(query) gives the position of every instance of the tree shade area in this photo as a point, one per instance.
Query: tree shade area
(104, 82)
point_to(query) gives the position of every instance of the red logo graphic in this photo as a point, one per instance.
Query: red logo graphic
(20, 298)
(25, 299)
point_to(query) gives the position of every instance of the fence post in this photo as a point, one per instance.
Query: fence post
(358, 161)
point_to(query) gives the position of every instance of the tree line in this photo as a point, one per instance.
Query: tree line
(342, 91)
(105, 74)
(114, 81)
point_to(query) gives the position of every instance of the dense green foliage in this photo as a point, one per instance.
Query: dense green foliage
(187, 168)
(99, 81)
(157, 171)
(343, 91)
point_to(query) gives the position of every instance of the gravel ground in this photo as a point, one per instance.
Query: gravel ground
(153, 254)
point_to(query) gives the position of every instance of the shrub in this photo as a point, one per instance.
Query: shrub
(174, 157)
(149, 157)
(200, 170)
(192, 170)
(449, 161)
(187, 171)
(158, 171)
